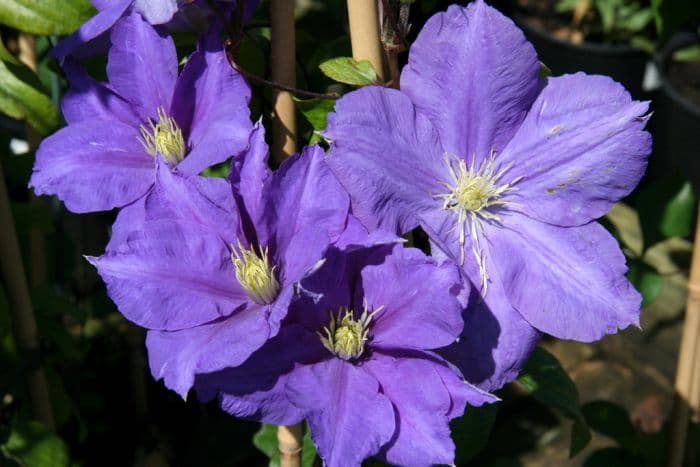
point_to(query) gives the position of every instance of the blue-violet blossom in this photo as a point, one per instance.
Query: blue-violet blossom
(506, 172)
(355, 358)
(106, 156)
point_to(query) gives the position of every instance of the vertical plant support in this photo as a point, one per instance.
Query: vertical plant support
(284, 142)
(37, 245)
(283, 64)
(21, 312)
(363, 17)
(687, 386)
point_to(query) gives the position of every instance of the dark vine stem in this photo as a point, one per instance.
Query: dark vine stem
(234, 32)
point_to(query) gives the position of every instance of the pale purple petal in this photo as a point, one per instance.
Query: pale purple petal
(350, 419)
(130, 218)
(88, 99)
(178, 356)
(249, 170)
(305, 209)
(387, 156)
(142, 65)
(91, 169)
(473, 73)
(496, 341)
(567, 282)
(91, 29)
(171, 275)
(581, 148)
(356, 236)
(211, 105)
(156, 11)
(204, 200)
(257, 388)
(421, 310)
(423, 405)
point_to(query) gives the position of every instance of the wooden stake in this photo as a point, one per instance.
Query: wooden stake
(688, 356)
(21, 312)
(284, 142)
(283, 63)
(364, 33)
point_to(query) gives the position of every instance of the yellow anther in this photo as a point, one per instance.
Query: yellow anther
(254, 273)
(164, 138)
(345, 336)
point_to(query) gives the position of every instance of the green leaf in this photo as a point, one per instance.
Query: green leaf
(349, 71)
(22, 95)
(35, 446)
(545, 379)
(471, 431)
(266, 441)
(666, 207)
(544, 71)
(316, 111)
(687, 54)
(45, 17)
(611, 420)
(580, 437)
(646, 280)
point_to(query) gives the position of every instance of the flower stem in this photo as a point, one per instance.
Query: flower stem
(687, 386)
(289, 440)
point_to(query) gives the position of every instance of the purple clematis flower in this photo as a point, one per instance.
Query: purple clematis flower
(356, 361)
(506, 173)
(211, 272)
(106, 156)
(91, 37)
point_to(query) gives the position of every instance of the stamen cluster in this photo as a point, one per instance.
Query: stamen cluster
(345, 336)
(164, 137)
(254, 273)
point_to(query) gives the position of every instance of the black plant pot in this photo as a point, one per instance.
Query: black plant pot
(676, 122)
(622, 62)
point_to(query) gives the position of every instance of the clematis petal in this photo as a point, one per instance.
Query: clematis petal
(178, 357)
(130, 218)
(495, 343)
(581, 148)
(88, 99)
(171, 275)
(91, 29)
(305, 208)
(387, 156)
(142, 65)
(257, 388)
(421, 310)
(91, 169)
(249, 170)
(567, 282)
(215, 131)
(156, 12)
(205, 200)
(350, 419)
(423, 406)
(473, 73)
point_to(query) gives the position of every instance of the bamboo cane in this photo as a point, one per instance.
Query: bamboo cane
(283, 63)
(689, 352)
(21, 312)
(364, 33)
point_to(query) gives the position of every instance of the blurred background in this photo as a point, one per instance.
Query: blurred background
(608, 403)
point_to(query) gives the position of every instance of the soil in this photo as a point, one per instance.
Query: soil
(685, 78)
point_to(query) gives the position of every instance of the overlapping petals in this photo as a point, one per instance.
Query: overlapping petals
(102, 159)
(509, 187)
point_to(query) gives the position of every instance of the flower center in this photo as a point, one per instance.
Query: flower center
(345, 336)
(254, 273)
(164, 137)
(473, 194)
